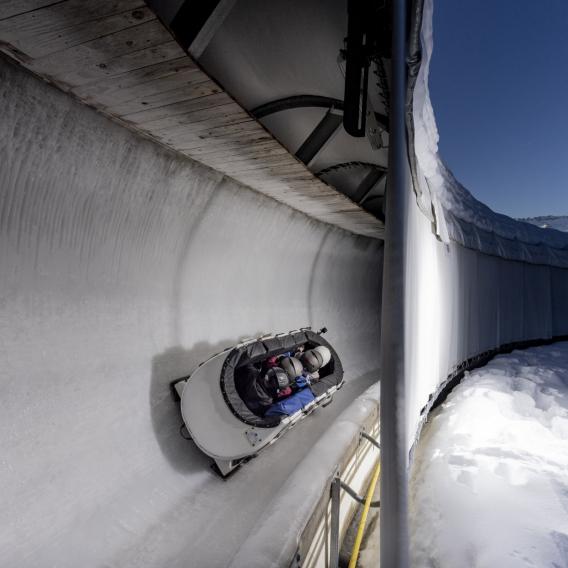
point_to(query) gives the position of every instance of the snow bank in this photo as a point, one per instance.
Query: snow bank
(558, 222)
(489, 485)
(274, 539)
(458, 215)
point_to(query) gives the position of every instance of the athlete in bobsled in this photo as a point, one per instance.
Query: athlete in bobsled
(245, 398)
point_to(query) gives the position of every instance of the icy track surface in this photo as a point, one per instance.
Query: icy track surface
(489, 485)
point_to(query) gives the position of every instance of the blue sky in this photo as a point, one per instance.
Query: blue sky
(499, 86)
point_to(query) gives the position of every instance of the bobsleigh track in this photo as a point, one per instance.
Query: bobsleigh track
(124, 266)
(168, 190)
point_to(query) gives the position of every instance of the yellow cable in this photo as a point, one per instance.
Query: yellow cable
(363, 521)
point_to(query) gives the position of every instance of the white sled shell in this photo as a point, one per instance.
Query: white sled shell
(215, 427)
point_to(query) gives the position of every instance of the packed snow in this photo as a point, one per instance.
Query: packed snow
(457, 214)
(489, 485)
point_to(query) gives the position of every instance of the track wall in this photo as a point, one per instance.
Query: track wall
(122, 267)
(461, 302)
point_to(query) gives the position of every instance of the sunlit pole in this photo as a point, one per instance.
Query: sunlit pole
(394, 526)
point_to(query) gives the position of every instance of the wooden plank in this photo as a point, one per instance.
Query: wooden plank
(255, 153)
(196, 130)
(187, 142)
(283, 165)
(282, 172)
(128, 49)
(53, 41)
(175, 95)
(286, 162)
(195, 117)
(130, 62)
(173, 109)
(286, 176)
(244, 127)
(64, 15)
(228, 148)
(236, 162)
(216, 162)
(114, 96)
(203, 126)
(11, 8)
(66, 24)
(134, 77)
(203, 141)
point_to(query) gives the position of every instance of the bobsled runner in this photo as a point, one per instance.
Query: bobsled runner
(219, 420)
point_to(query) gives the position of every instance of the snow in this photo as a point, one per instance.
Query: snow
(489, 485)
(458, 215)
(558, 222)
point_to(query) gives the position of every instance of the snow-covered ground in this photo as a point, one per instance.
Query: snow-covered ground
(489, 485)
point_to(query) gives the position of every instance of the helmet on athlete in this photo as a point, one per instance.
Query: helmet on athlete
(276, 379)
(325, 353)
(312, 360)
(292, 366)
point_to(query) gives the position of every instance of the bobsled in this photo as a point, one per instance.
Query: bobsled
(219, 421)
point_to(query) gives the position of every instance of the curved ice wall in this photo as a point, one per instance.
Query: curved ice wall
(124, 265)
(476, 280)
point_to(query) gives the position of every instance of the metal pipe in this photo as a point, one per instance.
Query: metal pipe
(371, 439)
(394, 524)
(334, 529)
(356, 497)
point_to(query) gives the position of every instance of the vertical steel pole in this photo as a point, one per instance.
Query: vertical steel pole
(394, 527)
(334, 529)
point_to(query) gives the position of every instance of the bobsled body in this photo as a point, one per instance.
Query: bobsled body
(219, 420)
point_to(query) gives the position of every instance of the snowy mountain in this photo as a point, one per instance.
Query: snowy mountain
(558, 222)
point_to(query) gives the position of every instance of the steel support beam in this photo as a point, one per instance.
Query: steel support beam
(356, 68)
(394, 454)
(298, 101)
(196, 22)
(308, 101)
(319, 137)
(374, 177)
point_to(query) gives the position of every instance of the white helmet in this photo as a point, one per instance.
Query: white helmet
(292, 366)
(312, 360)
(325, 354)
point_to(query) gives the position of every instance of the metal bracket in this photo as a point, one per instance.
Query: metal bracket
(253, 437)
(358, 498)
(371, 439)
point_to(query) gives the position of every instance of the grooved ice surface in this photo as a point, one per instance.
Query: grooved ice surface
(490, 480)
(459, 216)
(122, 267)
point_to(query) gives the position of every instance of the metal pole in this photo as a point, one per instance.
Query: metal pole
(334, 529)
(394, 528)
